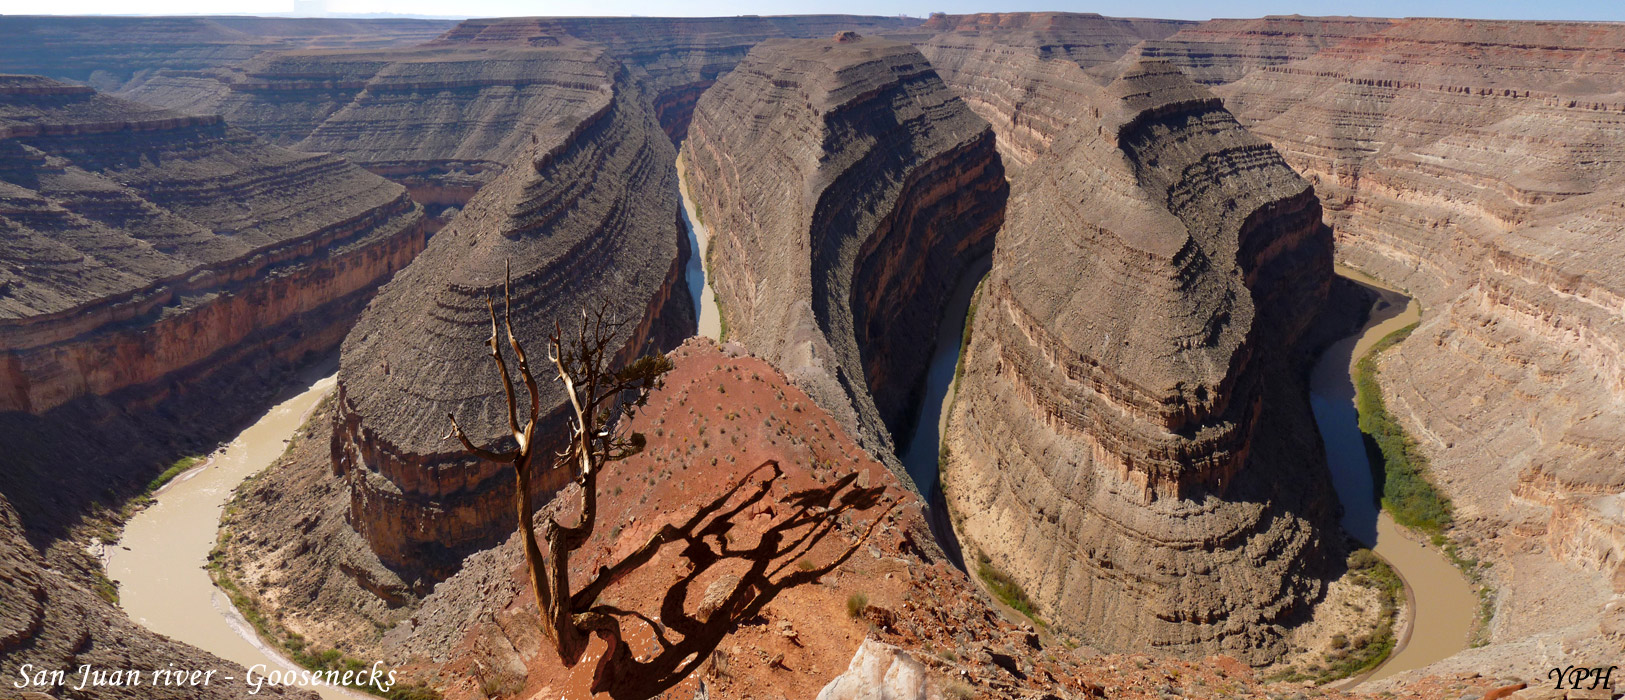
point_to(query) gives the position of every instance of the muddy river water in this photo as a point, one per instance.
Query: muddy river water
(159, 562)
(1441, 601)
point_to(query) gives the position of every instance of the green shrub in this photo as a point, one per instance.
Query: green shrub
(856, 604)
(1398, 467)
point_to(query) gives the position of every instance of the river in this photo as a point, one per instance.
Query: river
(1441, 601)
(159, 562)
(699, 241)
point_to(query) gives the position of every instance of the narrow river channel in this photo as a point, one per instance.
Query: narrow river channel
(1441, 601)
(699, 287)
(159, 561)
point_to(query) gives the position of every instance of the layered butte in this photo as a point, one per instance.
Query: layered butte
(1130, 442)
(139, 246)
(846, 189)
(587, 216)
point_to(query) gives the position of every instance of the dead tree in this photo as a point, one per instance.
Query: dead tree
(600, 399)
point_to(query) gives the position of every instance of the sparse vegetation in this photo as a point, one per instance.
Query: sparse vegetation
(1007, 590)
(970, 320)
(959, 690)
(293, 645)
(856, 604)
(1352, 657)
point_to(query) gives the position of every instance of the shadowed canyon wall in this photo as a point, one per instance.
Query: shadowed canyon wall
(1131, 442)
(846, 188)
(575, 239)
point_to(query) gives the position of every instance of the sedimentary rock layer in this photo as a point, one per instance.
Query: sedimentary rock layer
(676, 58)
(1220, 51)
(1130, 443)
(1000, 64)
(586, 215)
(126, 53)
(1480, 165)
(845, 188)
(137, 244)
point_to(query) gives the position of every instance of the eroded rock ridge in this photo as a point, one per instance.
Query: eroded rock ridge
(1130, 442)
(846, 189)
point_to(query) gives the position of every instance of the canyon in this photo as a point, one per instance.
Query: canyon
(1130, 442)
(898, 188)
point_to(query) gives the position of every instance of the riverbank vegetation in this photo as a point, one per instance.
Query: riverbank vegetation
(1398, 467)
(1399, 476)
(181, 466)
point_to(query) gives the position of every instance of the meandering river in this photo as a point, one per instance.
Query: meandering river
(159, 561)
(1442, 603)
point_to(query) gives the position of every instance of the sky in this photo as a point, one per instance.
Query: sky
(1612, 10)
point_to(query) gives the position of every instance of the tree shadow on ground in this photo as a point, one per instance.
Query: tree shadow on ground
(687, 639)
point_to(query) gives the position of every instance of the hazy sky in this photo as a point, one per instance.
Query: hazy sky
(1186, 9)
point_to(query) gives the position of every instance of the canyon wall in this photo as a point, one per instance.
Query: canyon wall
(1479, 165)
(1001, 66)
(139, 244)
(576, 238)
(676, 58)
(118, 54)
(444, 117)
(1132, 440)
(846, 189)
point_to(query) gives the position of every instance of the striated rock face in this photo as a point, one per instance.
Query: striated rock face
(676, 58)
(845, 188)
(139, 244)
(1022, 72)
(443, 118)
(174, 54)
(1131, 442)
(575, 238)
(1220, 51)
(1479, 164)
(442, 121)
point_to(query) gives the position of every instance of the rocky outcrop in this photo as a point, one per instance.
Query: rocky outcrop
(576, 237)
(1130, 443)
(845, 188)
(139, 246)
(880, 671)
